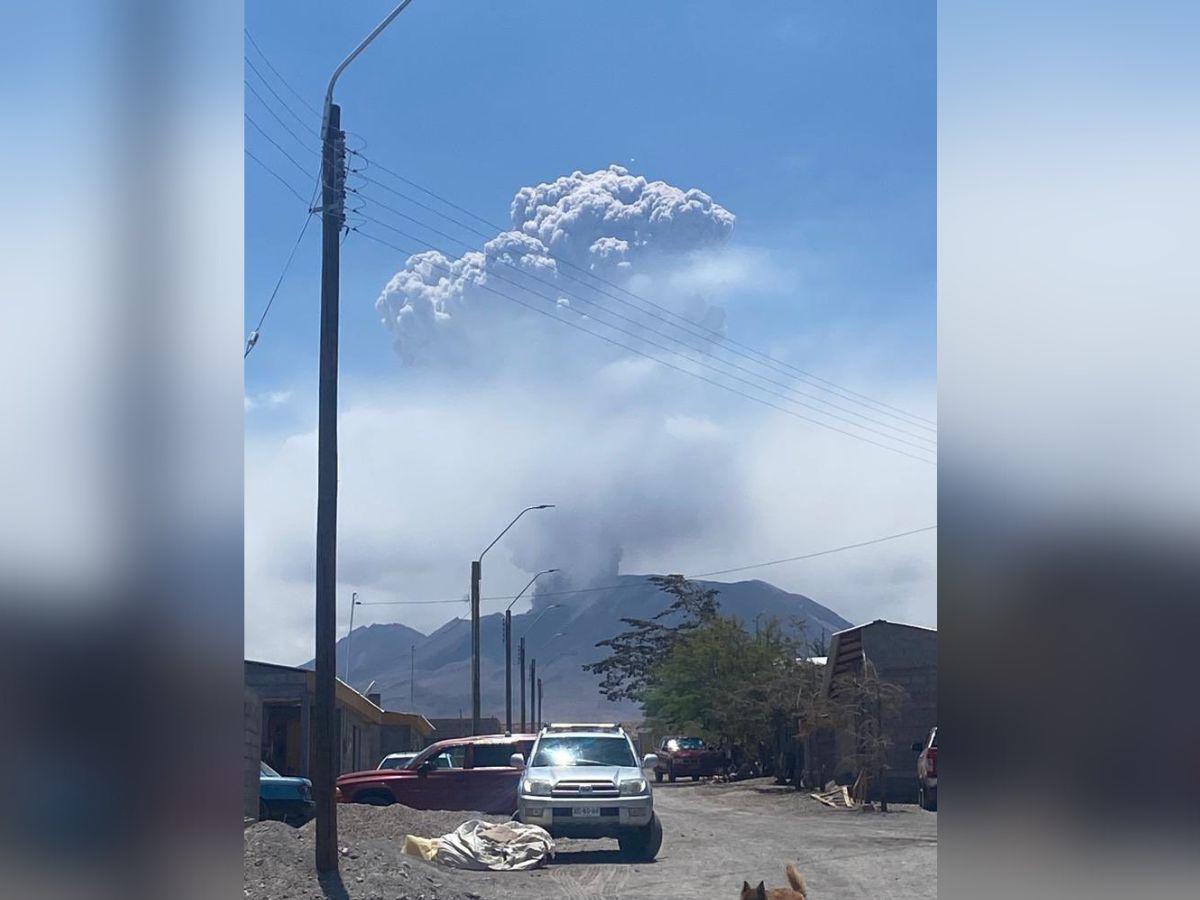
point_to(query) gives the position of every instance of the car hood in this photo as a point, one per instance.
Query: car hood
(555, 774)
(283, 781)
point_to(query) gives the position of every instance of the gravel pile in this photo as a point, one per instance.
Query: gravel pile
(278, 859)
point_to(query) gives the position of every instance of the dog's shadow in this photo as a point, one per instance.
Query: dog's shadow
(595, 858)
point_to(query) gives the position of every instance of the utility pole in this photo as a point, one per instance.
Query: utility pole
(350, 635)
(333, 161)
(508, 652)
(539, 704)
(533, 694)
(412, 678)
(508, 670)
(521, 681)
(476, 566)
(333, 197)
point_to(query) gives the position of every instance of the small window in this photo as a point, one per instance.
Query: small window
(457, 756)
(489, 756)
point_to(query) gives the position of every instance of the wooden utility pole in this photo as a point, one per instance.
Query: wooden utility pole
(521, 681)
(324, 772)
(508, 670)
(539, 714)
(476, 566)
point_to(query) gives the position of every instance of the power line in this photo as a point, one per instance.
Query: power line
(639, 337)
(609, 312)
(559, 290)
(284, 125)
(277, 176)
(274, 93)
(758, 357)
(629, 586)
(277, 145)
(662, 362)
(266, 59)
(253, 339)
(765, 359)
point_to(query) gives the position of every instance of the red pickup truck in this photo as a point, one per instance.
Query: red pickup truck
(681, 756)
(472, 773)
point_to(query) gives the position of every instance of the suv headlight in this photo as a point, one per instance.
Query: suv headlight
(536, 787)
(633, 786)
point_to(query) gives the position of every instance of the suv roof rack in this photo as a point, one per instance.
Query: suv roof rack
(554, 727)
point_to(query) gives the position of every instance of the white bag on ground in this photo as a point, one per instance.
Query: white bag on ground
(481, 845)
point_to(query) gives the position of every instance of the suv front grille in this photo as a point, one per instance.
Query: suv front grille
(584, 789)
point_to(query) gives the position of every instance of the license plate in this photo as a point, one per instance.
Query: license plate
(585, 812)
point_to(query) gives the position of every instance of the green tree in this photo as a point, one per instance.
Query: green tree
(729, 684)
(635, 654)
(864, 703)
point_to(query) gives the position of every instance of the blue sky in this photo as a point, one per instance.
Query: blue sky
(813, 123)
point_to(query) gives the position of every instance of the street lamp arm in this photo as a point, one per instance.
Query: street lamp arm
(511, 524)
(349, 59)
(524, 589)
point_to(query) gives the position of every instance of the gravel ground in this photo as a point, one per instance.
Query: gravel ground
(716, 835)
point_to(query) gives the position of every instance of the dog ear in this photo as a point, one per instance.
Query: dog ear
(761, 890)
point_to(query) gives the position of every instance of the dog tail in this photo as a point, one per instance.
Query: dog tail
(796, 880)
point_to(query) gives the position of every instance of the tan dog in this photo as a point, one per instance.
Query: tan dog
(797, 891)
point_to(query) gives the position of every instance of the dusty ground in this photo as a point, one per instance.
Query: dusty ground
(715, 836)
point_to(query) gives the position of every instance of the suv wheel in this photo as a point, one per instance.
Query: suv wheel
(643, 845)
(658, 774)
(671, 775)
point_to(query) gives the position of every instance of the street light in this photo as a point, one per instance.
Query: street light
(476, 577)
(354, 601)
(532, 667)
(333, 218)
(508, 650)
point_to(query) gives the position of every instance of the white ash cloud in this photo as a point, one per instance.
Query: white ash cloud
(605, 222)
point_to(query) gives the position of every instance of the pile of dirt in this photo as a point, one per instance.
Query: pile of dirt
(278, 859)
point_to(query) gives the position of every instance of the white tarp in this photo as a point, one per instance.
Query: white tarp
(480, 845)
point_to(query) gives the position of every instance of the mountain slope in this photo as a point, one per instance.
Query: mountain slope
(561, 634)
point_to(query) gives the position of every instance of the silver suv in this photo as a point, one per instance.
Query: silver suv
(584, 781)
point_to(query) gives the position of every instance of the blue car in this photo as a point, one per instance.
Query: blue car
(286, 799)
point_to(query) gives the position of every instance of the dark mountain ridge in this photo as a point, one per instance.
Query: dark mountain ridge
(561, 633)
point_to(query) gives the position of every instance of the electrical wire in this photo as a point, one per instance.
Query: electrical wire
(758, 357)
(633, 585)
(639, 337)
(560, 291)
(662, 362)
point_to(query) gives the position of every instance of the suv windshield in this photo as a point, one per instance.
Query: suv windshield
(688, 744)
(583, 751)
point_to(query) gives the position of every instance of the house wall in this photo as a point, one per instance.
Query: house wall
(906, 657)
(251, 750)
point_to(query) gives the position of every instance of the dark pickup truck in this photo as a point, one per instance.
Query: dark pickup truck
(682, 756)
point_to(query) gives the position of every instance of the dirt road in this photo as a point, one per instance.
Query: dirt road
(715, 835)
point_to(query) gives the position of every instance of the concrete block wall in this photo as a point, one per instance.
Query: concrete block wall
(252, 749)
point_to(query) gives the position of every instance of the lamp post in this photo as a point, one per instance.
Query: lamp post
(476, 577)
(508, 650)
(332, 219)
(350, 634)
